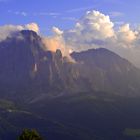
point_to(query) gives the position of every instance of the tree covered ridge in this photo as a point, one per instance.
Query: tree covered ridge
(28, 134)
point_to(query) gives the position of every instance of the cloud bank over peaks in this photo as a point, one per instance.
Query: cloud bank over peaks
(56, 41)
(52, 43)
(95, 30)
(7, 30)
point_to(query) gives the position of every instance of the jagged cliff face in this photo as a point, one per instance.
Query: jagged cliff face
(16, 59)
(25, 66)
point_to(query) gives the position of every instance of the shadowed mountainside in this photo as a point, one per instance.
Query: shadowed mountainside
(25, 65)
(95, 97)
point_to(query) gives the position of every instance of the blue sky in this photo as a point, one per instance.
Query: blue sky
(64, 13)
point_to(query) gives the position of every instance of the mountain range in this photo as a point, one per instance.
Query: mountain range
(24, 61)
(95, 88)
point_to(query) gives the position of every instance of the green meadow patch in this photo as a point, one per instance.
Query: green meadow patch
(132, 132)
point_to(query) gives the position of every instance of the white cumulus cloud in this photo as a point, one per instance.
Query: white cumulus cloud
(32, 26)
(57, 31)
(6, 30)
(127, 35)
(93, 28)
(96, 29)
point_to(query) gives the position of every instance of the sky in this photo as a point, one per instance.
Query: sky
(65, 13)
(77, 25)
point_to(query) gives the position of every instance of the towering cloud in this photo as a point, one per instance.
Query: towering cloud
(92, 30)
(96, 30)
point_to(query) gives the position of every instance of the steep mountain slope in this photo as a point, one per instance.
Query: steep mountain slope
(106, 71)
(28, 69)
(93, 116)
(17, 59)
(95, 97)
